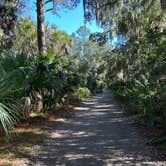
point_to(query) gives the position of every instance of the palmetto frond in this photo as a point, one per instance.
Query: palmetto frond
(8, 117)
(14, 73)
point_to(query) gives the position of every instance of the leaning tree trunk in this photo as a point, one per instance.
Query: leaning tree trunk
(40, 26)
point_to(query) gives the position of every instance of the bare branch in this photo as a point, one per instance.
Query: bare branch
(48, 1)
(48, 10)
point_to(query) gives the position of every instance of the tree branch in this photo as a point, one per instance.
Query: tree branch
(48, 1)
(48, 10)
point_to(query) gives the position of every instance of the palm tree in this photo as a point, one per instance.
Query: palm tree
(40, 25)
(40, 17)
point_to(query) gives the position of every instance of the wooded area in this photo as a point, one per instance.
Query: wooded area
(43, 68)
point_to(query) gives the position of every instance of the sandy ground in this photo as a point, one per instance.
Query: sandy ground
(98, 133)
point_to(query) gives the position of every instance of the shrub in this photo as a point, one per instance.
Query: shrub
(81, 93)
(100, 86)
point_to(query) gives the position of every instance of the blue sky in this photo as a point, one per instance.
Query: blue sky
(68, 20)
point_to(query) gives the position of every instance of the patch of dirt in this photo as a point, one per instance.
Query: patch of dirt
(29, 135)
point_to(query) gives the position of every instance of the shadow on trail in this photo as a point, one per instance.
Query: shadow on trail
(98, 134)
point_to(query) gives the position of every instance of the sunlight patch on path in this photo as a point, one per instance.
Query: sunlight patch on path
(81, 108)
(77, 156)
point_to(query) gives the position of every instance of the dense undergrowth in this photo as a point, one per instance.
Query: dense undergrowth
(137, 70)
(40, 84)
(44, 82)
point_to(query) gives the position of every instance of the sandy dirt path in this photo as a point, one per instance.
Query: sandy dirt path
(98, 134)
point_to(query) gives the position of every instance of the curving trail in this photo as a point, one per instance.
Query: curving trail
(98, 134)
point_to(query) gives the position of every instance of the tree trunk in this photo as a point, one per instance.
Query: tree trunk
(163, 4)
(40, 26)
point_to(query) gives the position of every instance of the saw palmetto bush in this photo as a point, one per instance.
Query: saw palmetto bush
(13, 85)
